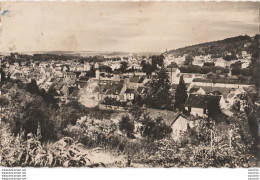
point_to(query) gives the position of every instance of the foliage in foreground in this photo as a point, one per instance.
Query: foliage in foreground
(15, 151)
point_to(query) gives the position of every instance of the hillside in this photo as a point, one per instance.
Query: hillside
(228, 49)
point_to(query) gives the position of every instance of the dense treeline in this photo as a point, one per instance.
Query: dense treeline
(217, 49)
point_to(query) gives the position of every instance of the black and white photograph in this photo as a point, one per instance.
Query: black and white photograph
(129, 84)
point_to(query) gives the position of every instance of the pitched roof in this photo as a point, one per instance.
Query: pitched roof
(47, 69)
(130, 91)
(134, 79)
(75, 93)
(208, 89)
(193, 89)
(81, 83)
(71, 73)
(72, 89)
(112, 88)
(168, 116)
(141, 79)
(201, 101)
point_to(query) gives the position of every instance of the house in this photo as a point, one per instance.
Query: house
(176, 120)
(196, 90)
(222, 82)
(117, 76)
(197, 104)
(214, 90)
(74, 94)
(67, 91)
(237, 96)
(130, 94)
(172, 72)
(179, 125)
(86, 66)
(113, 90)
(136, 81)
(81, 83)
(69, 78)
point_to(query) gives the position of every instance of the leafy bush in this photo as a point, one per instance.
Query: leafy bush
(20, 152)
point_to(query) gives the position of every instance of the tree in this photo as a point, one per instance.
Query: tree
(157, 61)
(188, 59)
(32, 87)
(24, 111)
(236, 71)
(158, 93)
(146, 67)
(214, 108)
(172, 65)
(123, 66)
(155, 129)
(3, 78)
(180, 95)
(237, 64)
(126, 125)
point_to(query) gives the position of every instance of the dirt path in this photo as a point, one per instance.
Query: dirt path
(87, 95)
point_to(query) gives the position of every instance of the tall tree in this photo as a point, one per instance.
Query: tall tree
(126, 125)
(146, 67)
(158, 93)
(214, 108)
(157, 61)
(180, 95)
(123, 66)
(155, 129)
(32, 87)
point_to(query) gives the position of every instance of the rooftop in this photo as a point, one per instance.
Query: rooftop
(201, 101)
(130, 91)
(224, 81)
(208, 89)
(112, 88)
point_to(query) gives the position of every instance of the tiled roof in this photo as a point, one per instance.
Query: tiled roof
(112, 88)
(130, 91)
(193, 89)
(134, 79)
(208, 89)
(141, 79)
(201, 101)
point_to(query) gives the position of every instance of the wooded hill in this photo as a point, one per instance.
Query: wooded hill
(229, 48)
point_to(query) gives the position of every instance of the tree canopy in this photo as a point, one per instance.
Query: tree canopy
(158, 93)
(180, 95)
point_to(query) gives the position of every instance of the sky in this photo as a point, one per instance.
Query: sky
(122, 26)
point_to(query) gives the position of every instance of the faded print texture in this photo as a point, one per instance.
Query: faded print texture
(129, 84)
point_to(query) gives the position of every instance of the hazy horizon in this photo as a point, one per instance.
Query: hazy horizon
(122, 26)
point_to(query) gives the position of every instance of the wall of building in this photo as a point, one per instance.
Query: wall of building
(196, 111)
(180, 125)
(220, 85)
